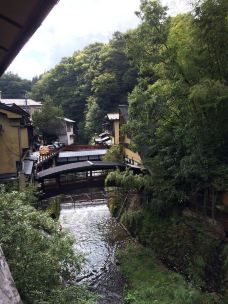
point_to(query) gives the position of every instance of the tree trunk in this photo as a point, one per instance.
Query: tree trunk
(205, 199)
(213, 202)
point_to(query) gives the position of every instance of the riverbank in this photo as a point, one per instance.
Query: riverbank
(192, 249)
(149, 282)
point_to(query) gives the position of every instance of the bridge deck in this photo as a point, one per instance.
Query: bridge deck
(78, 167)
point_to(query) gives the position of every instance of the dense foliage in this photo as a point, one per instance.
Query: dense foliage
(178, 110)
(114, 154)
(12, 86)
(175, 69)
(178, 123)
(184, 242)
(41, 258)
(89, 84)
(150, 282)
(46, 122)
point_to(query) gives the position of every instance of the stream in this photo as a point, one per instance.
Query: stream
(97, 235)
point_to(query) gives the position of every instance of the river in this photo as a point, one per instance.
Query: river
(97, 235)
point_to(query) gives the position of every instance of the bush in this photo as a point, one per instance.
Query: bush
(184, 244)
(114, 154)
(41, 258)
(150, 282)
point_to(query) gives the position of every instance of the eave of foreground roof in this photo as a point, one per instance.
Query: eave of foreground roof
(18, 33)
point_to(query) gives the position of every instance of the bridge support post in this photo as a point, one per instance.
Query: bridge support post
(42, 184)
(58, 181)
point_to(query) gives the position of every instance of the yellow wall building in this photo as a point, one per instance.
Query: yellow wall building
(116, 122)
(14, 139)
(114, 127)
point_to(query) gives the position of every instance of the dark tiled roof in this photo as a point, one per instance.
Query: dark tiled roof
(14, 109)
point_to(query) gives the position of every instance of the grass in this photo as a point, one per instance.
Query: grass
(149, 282)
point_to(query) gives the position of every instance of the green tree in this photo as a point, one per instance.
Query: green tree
(46, 121)
(41, 257)
(211, 21)
(114, 154)
(69, 84)
(13, 86)
(178, 109)
(94, 118)
(101, 72)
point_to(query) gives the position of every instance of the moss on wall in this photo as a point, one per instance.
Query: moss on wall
(54, 207)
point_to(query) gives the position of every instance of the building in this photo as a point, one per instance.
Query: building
(114, 127)
(111, 134)
(130, 156)
(19, 20)
(77, 153)
(66, 131)
(114, 123)
(103, 139)
(27, 105)
(15, 136)
(66, 157)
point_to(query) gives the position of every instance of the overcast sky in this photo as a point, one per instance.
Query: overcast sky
(73, 24)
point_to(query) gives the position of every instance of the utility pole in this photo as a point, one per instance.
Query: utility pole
(26, 102)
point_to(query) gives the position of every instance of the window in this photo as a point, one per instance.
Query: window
(73, 159)
(94, 157)
(83, 158)
(51, 181)
(62, 159)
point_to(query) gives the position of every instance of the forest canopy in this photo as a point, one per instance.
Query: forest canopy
(181, 99)
(89, 84)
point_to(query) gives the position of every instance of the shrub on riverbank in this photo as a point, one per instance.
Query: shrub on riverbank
(53, 207)
(150, 282)
(41, 258)
(184, 242)
(114, 154)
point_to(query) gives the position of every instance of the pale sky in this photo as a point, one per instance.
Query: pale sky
(73, 24)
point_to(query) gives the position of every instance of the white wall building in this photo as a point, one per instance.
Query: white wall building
(66, 132)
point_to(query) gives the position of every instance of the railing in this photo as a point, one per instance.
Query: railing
(43, 158)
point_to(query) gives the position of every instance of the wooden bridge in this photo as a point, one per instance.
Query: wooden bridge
(63, 178)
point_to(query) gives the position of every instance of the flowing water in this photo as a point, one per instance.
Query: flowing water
(97, 234)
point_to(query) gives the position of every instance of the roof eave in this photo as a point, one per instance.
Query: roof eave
(34, 21)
